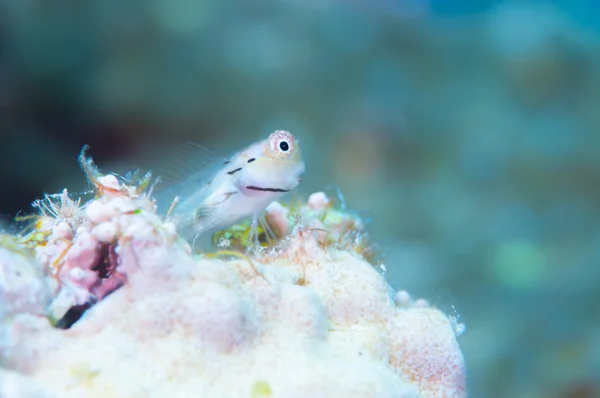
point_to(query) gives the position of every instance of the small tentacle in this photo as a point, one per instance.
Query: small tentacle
(253, 242)
(235, 254)
(269, 234)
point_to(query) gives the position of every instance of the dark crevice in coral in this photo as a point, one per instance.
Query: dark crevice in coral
(108, 261)
(73, 315)
(109, 281)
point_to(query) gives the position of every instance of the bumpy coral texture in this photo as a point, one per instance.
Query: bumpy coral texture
(303, 320)
(22, 288)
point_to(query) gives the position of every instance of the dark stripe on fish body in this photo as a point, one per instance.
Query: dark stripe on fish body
(267, 189)
(234, 171)
(251, 160)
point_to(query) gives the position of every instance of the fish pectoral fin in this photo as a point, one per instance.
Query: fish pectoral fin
(205, 210)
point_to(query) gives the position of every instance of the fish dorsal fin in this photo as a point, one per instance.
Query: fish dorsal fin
(185, 172)
(186, 161)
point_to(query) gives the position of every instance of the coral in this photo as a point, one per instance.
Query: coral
(15, 385)
(23, 288)
(310, 317)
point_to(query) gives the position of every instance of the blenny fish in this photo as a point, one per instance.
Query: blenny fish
(243, 185)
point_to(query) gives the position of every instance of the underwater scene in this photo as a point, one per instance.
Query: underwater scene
(290, 199)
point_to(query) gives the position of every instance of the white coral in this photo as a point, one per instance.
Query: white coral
(306, 320)
(23, 288)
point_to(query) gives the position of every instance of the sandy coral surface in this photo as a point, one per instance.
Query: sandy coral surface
(309, 317)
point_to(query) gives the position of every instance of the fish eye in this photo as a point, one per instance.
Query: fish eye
(284, 146)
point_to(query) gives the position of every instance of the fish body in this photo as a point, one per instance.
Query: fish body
(245, 185)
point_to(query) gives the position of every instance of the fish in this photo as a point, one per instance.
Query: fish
(242, 186)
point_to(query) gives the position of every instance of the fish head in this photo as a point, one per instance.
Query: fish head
(285, 154)
(277, 163)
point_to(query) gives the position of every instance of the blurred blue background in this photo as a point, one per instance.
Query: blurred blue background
(466, 130)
